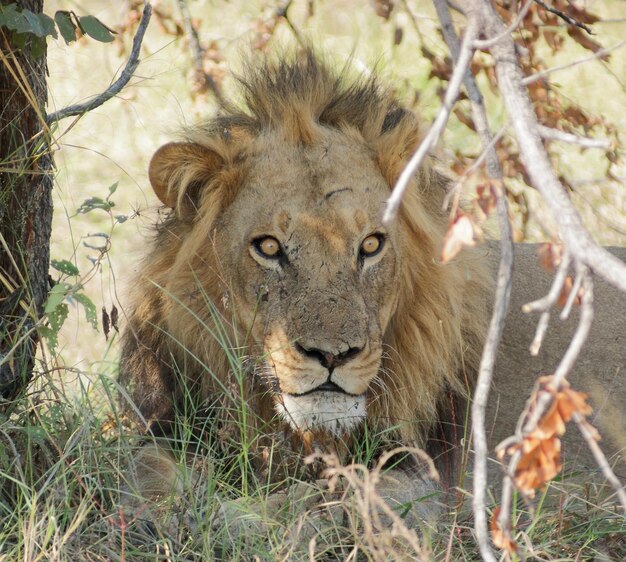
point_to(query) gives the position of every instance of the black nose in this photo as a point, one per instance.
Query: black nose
(328, 359)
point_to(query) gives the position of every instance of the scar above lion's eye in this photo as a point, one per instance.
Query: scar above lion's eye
(268, 247)
(372, 245)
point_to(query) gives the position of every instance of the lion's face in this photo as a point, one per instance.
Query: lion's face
(313, 274)
(276, 225)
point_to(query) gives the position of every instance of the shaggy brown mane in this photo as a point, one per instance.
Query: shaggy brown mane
(298, 95)
(433, 342)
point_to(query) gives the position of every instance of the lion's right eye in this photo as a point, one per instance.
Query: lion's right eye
(268, 247)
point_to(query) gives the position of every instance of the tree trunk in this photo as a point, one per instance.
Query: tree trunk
(25, 206)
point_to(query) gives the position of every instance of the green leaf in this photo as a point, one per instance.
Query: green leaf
(56, 318)
(37, 47)
(90, 308)
(93, 27)
(56, 296)
(47, 24)
(19, 23)
(33, 23)
(19, 40)
(66, 25)
(35, 433)
(113, 188)
(9, 16)
(94, 203)
(64, 266)
(121, 218)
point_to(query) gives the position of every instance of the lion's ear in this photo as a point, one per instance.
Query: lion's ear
(178, 171)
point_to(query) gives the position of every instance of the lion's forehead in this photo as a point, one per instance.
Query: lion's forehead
(316, 174)
(290, 197)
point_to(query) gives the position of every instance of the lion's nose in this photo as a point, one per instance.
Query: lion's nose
(329, 359)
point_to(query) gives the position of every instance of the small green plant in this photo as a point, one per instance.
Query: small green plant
(69, 287)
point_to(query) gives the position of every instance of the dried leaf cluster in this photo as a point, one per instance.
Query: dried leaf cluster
(540, 448)
(538, 452)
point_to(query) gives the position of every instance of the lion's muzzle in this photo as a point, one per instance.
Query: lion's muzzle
(320, 388)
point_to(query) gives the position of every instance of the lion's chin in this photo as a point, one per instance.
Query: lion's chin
(330, 411)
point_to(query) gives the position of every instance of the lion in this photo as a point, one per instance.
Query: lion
(274, 251)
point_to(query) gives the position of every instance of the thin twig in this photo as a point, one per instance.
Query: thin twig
(544, 303)
(566, 18)
(549, 133)
(540, 333)
(544, 398)
(486, 154)
(479, 115)
(589, 436)
(503, 288)
(430, 140)
(197, 52)
(571, 298)
(597, 55)
(486, 43)
(119, 84)
(584, 326)
(483, 384)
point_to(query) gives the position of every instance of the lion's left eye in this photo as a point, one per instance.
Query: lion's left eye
(371, 245)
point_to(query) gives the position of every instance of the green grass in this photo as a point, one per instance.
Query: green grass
(68, 493)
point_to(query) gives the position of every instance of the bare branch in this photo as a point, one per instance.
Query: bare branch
(479, 115)
(197, 52)
(550, 299)
(548, 133)
(488, 153)
(119, 84)
(540, 333)
(584, 326)
(503, 289)
(597, 55)
(528, 422)
(565, 17)
(430, 140)
(571, 298)
(589, 435)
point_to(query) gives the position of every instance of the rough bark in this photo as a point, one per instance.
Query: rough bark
(25, 207)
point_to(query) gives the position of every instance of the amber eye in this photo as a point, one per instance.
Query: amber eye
(371, 245)
(268, 247)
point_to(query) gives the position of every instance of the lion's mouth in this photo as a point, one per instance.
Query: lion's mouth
(328, 386)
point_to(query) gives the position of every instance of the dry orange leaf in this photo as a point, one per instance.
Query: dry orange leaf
(550, 255)
(565, 292)
(539, 463)
(540, 450)
(502, 539)
(487, 197)
(570, 401)
(459, 235)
